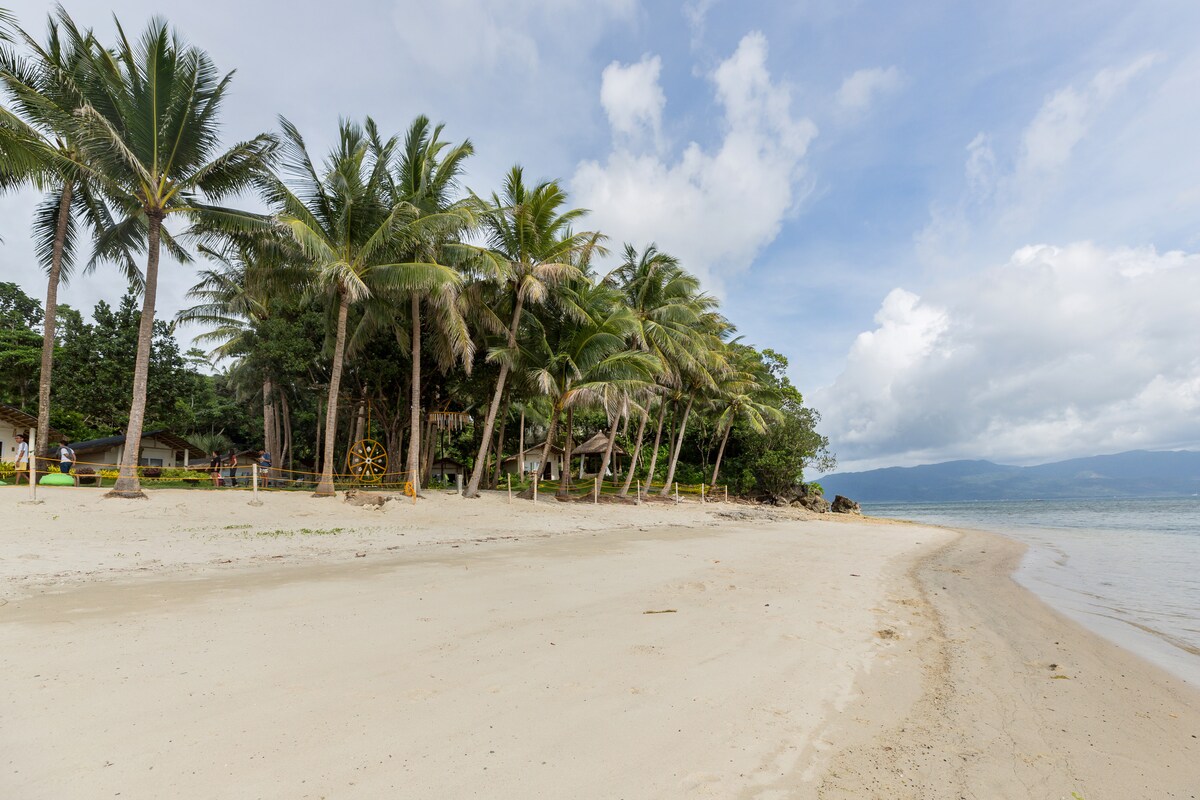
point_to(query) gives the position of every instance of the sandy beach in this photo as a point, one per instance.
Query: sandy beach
(194, 646)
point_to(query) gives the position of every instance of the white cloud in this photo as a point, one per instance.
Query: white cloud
(1066, 116)
(1061, 351)
(510, 36)
(861, 89)
(696, 14)
(714, 208)
(632, 97)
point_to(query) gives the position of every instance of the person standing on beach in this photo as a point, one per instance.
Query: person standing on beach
(232, 473)
(66, 457)
(264, 468)
(22, 463)
(214, 469)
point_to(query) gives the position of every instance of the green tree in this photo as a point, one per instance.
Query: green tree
(530, 236)
(150, 137)
(20, 344)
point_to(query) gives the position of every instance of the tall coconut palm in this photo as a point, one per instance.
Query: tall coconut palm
(357, 239)
(243, 289)
(48, 88)
(150, 136)
(426, 178)
(579, 357)
(667, 305)
(697, 379)
(530, 235)
(742, 393)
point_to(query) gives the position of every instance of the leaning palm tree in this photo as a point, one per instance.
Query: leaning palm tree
(357, 239)
(579, 357)
(150, 136)
(48, 88)
(668, 306)
(529, 234)
(699, 379)
(234, 298)
(743, 392)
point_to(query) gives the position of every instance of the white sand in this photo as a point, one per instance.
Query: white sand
(192, 646)
(456, 665)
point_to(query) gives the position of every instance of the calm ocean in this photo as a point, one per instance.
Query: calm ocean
(1127, 569)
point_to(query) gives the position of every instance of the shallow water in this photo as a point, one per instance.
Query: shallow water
(1128, 569)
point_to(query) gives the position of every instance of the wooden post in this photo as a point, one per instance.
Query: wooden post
(536, 480)
(596, 491)
(639, 492)
(254, 501)
(701, 494)
(510, 488)
(676, 491)
(31, 463)
(727, 493)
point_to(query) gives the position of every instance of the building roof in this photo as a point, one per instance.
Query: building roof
(19, 419)
(164, 436)
(596, 446)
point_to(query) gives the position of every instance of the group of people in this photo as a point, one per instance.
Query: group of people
(66, 463)
(66, 458)
(230, 464)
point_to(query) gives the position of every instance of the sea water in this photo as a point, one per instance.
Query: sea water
(1127, 569)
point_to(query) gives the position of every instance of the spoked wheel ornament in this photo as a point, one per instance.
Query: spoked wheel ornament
(367, 461)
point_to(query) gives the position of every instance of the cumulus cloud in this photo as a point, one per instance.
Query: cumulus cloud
(1061, 351)
(714, 208)
(632, 97)
(859, 90)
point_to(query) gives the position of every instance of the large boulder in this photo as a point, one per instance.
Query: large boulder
(844, 505)
(813, 502)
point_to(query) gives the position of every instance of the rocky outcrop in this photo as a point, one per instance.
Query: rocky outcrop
(813, 502)
(364, 499)
(844, 505)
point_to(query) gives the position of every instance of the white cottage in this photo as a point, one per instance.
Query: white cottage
(159, 449)
(528, 461)
(14, 421)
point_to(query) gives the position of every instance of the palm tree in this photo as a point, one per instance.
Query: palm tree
(743, 392)
(235, 297)
(427, 179)
(579, 357)
(357, 239)
(530, 235)
(149, 133)
(47, 90)
(668, 306)
(698, 378)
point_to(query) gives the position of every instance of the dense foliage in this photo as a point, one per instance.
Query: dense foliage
(376, 291)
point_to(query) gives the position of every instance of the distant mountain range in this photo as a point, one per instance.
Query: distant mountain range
(1138, 473)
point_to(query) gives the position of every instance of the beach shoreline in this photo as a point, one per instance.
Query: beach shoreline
(460, 648)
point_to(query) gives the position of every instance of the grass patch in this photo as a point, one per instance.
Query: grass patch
(237, 527)
(301, 532)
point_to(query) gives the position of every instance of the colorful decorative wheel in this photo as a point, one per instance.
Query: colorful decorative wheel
(367, 461)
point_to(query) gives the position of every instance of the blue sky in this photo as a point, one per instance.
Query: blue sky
(970, 226)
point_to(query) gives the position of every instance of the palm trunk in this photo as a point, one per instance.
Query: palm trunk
(285, 454)
(325, 488)
(56, 255)
(128, 484)
(608, 451)
(637, 451)
(268, 419)
(414, 443)
(500, 439)
(564, 479)
(678, 446)
(477, 471)
(720, 455)
(662, 416)
(541, 467)
(521, 445)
